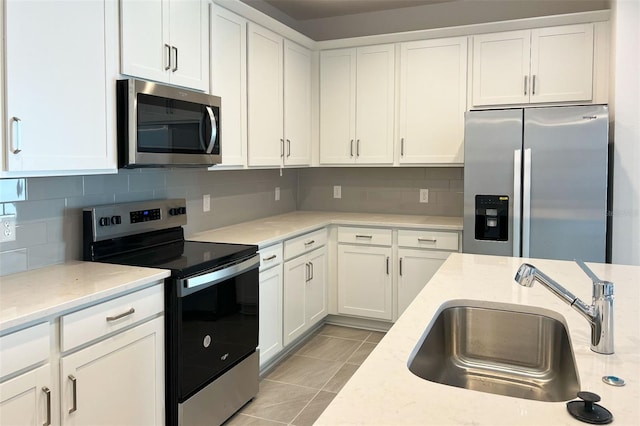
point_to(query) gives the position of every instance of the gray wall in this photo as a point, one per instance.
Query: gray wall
(49, 210)
(382, 190)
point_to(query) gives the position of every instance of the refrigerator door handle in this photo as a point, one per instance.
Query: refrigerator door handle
(526, 203)
(517, 185)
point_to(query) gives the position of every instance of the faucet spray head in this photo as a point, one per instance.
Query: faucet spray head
(525, 275)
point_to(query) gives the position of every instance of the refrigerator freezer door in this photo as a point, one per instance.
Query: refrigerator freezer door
(492, 144)
(568, 182)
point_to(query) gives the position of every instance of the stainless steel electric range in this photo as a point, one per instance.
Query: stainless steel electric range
(211, 304)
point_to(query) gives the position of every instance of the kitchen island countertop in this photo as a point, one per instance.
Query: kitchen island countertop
(273, 229)
(384, 392)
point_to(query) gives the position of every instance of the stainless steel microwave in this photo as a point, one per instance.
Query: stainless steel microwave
(165, 126)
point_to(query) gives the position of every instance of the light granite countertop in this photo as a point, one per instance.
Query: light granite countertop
(266, 231)
(384, 392)
(47, 292)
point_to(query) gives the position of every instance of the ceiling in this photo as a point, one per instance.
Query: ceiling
(314, 9)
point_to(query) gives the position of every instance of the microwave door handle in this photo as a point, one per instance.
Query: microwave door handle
(214, 129)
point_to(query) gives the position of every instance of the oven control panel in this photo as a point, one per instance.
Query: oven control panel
(118, 220)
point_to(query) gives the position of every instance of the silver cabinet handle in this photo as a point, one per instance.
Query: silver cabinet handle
(167, 49)
(358, 148)
(282, 148)
(427, 240)
(525, 85)
(351, 148)
(307, 272)
(273, 256)
(288, 148)
(122, 315)
(16, 137)
(387, 265)
(364, 236)
(74, 384)
(533, 86)
(401, 147)
(308, 243)
(400, 267)
(47, 392)
(175, 59)
(311, 264)
(214, 129)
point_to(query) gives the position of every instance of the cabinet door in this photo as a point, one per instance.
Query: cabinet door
(337, 106)
(297, 104)
(118, 381)
(266, 143)
(415, 269)
(24, 400)
(433, 90)
(296, 275)
(144, 44)
(375, 104)
(562, 63)
(364, 281)
(270, 338)
(229, 81)
(60, 85)
(189, 35)
(316, 290)
(501, 68)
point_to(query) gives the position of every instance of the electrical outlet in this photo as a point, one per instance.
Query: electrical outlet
(7, 228)
(277, 193)
(424, 195)
(337, 191)
(206, 202)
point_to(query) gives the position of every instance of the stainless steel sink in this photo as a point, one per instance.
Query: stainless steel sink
(498, 348)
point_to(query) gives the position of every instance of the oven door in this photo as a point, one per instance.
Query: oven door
(218, 323)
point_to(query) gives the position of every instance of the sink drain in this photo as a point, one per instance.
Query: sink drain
(613, 380)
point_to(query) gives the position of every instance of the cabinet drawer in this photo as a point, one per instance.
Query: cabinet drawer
(24, 348)
(270, 256)
(438, 240)
(304, 243)
(370, 236)
(99, 320)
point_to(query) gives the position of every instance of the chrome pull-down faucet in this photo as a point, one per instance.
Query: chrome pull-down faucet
(599, 313)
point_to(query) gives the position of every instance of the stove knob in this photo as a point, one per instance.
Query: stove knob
(173, 211)
(104, 221)
(182, 210)
(116, 220)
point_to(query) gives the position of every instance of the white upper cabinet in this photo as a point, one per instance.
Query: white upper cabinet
(562, 63)
(552, 64)
(279, 93)
(61, 66)
(166, 40)
(433, 92)
(266, 143)
(297, 104)
(229, 81)
(357, 105)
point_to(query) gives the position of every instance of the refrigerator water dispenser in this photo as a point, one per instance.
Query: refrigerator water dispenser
(492, 217)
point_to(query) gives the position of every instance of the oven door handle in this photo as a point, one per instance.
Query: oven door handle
(200, 282)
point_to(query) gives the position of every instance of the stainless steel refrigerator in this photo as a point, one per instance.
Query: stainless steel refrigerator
(535, 182)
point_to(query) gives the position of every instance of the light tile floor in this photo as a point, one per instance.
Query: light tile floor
(298, 389)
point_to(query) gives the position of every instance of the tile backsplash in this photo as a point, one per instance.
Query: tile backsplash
(382, 190)
(49, 210)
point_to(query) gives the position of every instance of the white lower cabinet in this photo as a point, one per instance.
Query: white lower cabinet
(415, 269)
(364, 281)
(270, 335)
(26, 399)
(305, 284)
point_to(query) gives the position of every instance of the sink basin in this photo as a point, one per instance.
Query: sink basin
(498, 348)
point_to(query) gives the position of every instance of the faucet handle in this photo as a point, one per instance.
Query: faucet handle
(588, 271)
